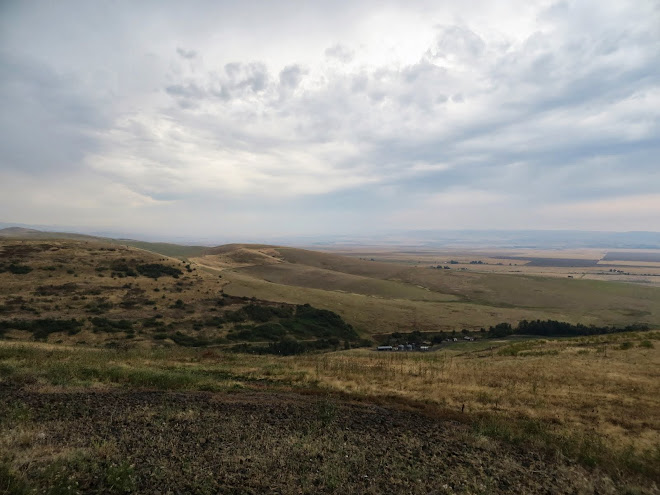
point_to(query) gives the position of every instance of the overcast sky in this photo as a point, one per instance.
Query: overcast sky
(283, 118)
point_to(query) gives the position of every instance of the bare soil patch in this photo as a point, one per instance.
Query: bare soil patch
(256, 442)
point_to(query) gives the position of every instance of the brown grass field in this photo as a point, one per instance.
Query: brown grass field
(559, 416)
(131, 410)
(399, 294)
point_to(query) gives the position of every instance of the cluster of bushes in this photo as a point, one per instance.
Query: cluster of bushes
(155, 270)
(111, 326)
(286, 327)
(302, 322)
(42, 328)
(152, 323)
(15, 269)
(98, 307)
(122, 269)
(214, 321)
(541, 328)
(263, 314)
(266, 331)
(313, 322)
(54, 290)
(552, 328)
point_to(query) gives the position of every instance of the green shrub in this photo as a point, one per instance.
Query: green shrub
(155, 270)
(111, 326)
(15, 269)
(42, 328)
(188, 340)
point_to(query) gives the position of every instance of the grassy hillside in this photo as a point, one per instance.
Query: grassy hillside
(317, 278)
(164, 248)
(372, 315)
(379, 297)
(127, 371)
(95, 293)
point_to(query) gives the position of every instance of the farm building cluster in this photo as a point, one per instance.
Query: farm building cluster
(419, 347)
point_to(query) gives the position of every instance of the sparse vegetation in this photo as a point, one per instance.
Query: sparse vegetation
(490, 399)
(547, 395)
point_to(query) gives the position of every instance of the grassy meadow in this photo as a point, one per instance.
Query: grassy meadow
(592, 400)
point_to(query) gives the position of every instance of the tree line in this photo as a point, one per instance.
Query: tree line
(553, 328)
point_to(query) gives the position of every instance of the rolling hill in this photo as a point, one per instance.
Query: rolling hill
(377, 296)
(97, 293)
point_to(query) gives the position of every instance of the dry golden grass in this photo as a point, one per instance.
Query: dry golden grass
(373, 315)
(606, 388)
(594, 383)
(488, 299)
(610, 384)
(399, 293)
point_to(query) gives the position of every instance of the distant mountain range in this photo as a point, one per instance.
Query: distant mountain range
(538, 239)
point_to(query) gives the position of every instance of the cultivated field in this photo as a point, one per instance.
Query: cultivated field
(633, 266)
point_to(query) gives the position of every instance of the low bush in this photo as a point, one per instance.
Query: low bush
(111, 326)
(15, 269)
(156, 270)
(42, 328)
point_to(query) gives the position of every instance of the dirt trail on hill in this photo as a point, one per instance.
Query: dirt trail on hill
(256, 442)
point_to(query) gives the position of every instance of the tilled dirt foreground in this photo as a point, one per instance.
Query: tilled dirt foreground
(256, 442)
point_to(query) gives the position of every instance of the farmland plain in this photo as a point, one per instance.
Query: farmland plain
(400, 291)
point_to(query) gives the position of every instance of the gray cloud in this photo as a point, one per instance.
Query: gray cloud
(188, 54)
(290, 76)
(340, 52)
(46, 124)
(283, 108)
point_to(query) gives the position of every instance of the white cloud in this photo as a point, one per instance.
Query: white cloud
(545, 103)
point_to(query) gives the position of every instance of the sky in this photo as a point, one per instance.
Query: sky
(263, 118)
